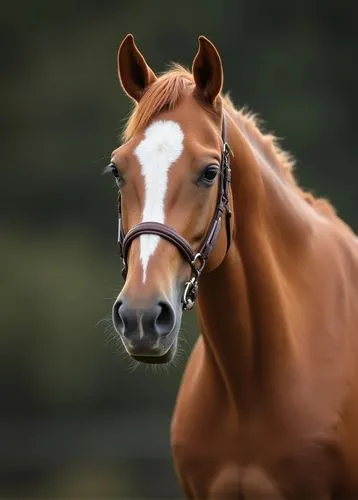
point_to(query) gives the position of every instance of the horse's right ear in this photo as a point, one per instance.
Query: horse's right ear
(134, 73)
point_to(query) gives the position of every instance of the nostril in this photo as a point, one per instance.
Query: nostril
(164, 322)
(117, 316)
(139, 324)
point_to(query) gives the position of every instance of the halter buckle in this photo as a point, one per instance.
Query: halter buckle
(191, 286)
(228, 151)
(190, 293)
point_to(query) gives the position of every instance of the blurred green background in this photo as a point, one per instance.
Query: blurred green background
(76, 421)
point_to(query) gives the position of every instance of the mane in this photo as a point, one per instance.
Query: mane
(251, 125)
(168, 91)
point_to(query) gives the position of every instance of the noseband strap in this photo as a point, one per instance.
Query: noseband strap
(196, 259)
(158, 229)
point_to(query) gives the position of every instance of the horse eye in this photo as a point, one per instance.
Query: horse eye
(209, 174)
(112, 168)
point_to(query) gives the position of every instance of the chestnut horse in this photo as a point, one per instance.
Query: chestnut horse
(268, 406)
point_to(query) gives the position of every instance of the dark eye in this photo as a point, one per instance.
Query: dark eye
(112, 168)
(209, 174)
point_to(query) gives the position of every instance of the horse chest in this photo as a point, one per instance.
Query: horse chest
(219, 456)
(212, 463)
(201, 448)
(220, 465)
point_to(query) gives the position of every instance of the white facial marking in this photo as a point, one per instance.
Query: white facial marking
(161, 147)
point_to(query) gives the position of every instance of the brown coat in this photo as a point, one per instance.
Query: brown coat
(268, 406)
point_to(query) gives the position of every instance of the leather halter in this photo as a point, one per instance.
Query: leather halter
(196, 259)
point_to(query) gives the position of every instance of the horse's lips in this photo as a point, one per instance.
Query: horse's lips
(157, 359)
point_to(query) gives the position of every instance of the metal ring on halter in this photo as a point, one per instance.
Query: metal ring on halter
(198, 258)
(191, 286)
(190, 292)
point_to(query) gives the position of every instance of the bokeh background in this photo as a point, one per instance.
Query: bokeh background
(75, 420)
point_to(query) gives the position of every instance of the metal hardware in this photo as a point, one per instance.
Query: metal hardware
(190, 293)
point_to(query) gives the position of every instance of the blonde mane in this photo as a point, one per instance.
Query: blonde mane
(167, 93)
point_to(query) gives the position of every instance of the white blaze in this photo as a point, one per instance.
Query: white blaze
(161, 147)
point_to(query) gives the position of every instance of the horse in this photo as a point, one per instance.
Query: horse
(210, 211)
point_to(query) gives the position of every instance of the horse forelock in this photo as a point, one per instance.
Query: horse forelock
(165, 93)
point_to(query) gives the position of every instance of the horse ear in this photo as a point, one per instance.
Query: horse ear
(134, 73)
(207, 71)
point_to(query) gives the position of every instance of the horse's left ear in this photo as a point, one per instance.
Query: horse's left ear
(207, 71)
(134, 73)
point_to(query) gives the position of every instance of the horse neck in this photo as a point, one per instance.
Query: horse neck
(242, 304)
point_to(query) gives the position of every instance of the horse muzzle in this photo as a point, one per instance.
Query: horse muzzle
(148, 332)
